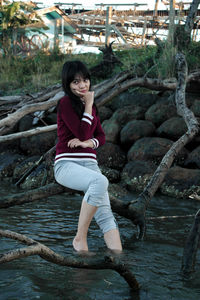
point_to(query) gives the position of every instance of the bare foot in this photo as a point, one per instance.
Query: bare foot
(79, 245)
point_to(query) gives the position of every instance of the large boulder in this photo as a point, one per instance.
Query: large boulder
(39, 177)
(51, 118)
(120, 118)
(24, 166)
(172, 129)
(38, 144)
(149, 148)
(193, 159)
(160, 112)
(152, 149)
(8, 162)
(111, 129)
(111, 156)
(105, 113)
(113, 175)
(26, 123)
(196, 108)
(134, 130)
(180, 182)
(128, 113)
(127, 98)
(136, 174)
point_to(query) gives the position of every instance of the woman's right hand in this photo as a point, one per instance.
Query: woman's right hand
(87, 97)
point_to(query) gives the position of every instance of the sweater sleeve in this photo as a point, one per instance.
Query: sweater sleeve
(99, 135)
(81, 129)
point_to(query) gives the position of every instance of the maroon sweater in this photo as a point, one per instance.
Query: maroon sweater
(71, 126)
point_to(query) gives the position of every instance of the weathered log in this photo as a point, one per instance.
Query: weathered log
(86, 262)
(13, 118)
(27, 133)
(32, 195)
(150, 83)
(191, 247)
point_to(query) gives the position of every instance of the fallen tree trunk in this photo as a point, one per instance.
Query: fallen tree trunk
(92, 262)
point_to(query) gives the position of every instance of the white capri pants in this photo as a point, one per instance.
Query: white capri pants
(86, 176)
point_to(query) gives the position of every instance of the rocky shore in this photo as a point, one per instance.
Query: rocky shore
(140, 129)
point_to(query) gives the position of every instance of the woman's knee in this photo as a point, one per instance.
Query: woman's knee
(102, 182)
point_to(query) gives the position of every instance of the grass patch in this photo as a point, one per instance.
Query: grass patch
(31, 74)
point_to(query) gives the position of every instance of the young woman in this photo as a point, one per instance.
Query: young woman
(79, 135)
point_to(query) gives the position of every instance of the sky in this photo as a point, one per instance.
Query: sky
(90, 4)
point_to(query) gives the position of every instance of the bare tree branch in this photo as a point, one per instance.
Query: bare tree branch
(27, 133)
(92, 262)
(32, 195)
(13, 118)
(191, 17)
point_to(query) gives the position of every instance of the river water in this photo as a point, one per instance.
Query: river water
(156, 261)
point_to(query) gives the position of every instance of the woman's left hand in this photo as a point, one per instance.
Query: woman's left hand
(77, 143)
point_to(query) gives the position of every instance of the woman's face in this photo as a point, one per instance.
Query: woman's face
(79, 84)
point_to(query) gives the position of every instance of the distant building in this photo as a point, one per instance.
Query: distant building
(61, 30)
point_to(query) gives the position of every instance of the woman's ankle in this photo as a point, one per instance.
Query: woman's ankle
(113, 241)
(80, 244)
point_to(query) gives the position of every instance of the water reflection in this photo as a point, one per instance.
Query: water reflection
(156, 261)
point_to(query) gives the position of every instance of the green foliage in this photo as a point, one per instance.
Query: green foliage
(30, 74)
(192, 54)
(13, 18)
(165, 65)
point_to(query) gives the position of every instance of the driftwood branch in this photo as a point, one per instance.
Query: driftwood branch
(92, 262)
(27, 133)
(191, 247)
(33, 195)
(13, 118)
(138, 208)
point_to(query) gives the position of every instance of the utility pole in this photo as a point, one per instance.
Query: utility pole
(171, 22)
(108, 22)
(156, 9)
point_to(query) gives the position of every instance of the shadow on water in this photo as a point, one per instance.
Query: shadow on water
(156, 261)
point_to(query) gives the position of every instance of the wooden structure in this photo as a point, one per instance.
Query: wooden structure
(128, 27)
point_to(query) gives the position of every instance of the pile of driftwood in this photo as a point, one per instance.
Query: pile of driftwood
(14, 108)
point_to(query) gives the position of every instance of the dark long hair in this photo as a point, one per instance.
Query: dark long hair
(69, 71)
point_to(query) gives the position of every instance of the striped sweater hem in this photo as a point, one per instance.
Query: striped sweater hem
(75, 156)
